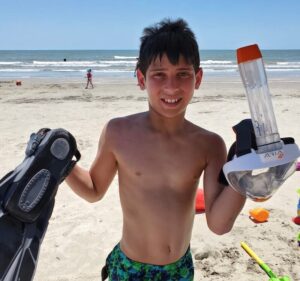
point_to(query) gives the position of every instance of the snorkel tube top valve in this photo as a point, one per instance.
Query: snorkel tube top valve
(255, 81)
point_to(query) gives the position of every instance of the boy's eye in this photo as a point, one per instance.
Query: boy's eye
(158, 75)
(184, 74)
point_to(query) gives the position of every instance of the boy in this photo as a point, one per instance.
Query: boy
(160, 156)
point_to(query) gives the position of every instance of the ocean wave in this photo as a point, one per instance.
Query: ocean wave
(19, 70)
(289, 63)
(66, 70)
(63, 70)
(64, 63)
(107, 66)
(113, 71)
(100, 63)
(283, 69)
(124, 57)
(75, 66)
(216, 62)
(10, 62)
(220, 66)
(283, 66)
(118, 62)
(211, 70)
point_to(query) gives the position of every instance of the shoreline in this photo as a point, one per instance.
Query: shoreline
(272, 76)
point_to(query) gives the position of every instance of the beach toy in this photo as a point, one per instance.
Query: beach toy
(259, 214)
(262, 161)
(298, 207)
(296, 219)
(263, 266)
(200, 204)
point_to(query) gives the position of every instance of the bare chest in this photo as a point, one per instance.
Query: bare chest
(163, 162)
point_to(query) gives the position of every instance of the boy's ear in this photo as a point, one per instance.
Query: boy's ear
(141, 79)
(199, 75)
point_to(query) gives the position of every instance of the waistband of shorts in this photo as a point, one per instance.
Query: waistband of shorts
(186, 256)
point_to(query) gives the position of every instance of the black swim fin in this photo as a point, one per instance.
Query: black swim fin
(27, 200)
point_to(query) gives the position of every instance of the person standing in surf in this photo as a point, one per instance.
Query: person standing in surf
(159, 157)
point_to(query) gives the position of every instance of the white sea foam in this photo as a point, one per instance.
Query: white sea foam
(44, 63)
(101, 63)
(113, 70)
(211, 70)
(10, 62)
(118, 62)
(64, 63)
(284, 66)
(216, 62)
(124, 57)
(282, 70)
(19, 70)
(68, 70)
(289, 63)
(221, 66)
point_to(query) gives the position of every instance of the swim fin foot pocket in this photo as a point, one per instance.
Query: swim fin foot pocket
(27, 199)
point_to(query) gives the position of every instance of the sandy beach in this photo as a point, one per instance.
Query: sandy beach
(80, 235)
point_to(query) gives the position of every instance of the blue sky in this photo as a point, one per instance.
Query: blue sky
(118, 24)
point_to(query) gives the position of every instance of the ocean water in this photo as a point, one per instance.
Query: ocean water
(116, 63)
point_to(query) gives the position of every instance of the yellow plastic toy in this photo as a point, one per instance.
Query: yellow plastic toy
(263, 266)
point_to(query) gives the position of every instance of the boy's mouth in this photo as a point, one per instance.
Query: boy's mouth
(171, 101)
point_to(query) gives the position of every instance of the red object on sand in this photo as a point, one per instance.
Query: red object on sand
(200, 204)
(296, 220)
(298, 166)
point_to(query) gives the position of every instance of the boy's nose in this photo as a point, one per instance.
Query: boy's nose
(172, 85)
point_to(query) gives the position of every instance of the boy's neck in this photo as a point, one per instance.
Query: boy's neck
(166, 125)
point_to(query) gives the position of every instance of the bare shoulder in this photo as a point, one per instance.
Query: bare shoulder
(118, 128)
(119, 124)
(207, 143)
(209, 146)
(202, 135)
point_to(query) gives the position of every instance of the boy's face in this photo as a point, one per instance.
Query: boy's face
(170, 87)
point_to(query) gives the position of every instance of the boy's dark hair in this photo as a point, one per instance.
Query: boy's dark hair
(173, 38)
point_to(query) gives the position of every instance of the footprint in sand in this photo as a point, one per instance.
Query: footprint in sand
(219, 263)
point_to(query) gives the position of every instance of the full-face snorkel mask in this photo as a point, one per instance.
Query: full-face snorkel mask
(260, 161)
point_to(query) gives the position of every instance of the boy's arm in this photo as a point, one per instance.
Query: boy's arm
(222, 203)
(91, 185)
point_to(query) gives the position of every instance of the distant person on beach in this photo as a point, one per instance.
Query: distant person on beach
(159, 157)
(89, 77)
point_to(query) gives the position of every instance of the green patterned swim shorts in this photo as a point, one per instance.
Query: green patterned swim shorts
(121, 268)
